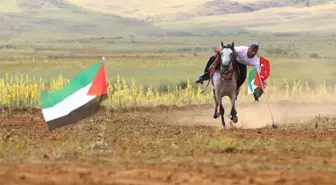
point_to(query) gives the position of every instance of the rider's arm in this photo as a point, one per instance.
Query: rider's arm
(256, 64)
(241, 50)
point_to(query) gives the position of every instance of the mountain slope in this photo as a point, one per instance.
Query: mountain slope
(319, 18)
(46, 19)
(214, 15)
(68, 19)
(182, 10)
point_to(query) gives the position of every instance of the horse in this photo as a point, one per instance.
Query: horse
(223, 77)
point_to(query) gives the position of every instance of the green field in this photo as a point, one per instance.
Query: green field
(171, 60)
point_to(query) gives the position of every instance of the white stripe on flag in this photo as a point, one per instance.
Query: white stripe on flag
(251, 91)
(69, 104)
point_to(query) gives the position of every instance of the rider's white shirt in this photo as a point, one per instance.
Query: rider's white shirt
(243, 59)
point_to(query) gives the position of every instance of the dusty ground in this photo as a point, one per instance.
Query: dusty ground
(172, 145)
(257, 114)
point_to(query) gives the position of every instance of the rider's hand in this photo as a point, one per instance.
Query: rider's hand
(216, 49)
(264, 83)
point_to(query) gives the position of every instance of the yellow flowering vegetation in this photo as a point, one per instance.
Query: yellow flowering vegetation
(23, 91)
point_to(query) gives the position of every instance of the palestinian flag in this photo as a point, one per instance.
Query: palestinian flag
(255, 85)
(79, 99)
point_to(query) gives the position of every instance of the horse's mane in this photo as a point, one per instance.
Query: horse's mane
(216, 64)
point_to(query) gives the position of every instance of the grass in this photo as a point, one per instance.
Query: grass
(168, 70)
(9, 6)
(298, 65)
(170, 59)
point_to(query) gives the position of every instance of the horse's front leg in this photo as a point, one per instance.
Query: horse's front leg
(222, 111)
(233, 113)
(216, 114)
(221, 108)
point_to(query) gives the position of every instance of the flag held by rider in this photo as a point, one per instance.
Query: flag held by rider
(79, 99)
(255, 85)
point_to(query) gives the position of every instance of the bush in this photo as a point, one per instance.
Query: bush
(314, 55)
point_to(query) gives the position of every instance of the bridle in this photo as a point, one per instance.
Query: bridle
(226, 71)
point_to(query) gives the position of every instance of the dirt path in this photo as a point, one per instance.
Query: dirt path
(151, 174)
(149, 146)
(255, 115)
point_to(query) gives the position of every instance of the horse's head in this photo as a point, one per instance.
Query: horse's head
(227, 54)
(224, 62)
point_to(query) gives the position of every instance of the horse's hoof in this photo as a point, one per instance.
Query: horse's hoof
(234, 119)
(216, 115)
(223, 126)
(223, 129)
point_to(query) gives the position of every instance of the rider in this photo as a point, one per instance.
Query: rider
(246, 56)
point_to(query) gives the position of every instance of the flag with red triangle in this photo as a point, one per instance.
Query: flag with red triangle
(255, 85)
(79, 99)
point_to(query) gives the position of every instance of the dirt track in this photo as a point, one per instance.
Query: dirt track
(256, 115)
(149, 146)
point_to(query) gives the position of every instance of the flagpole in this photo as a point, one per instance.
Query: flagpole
(103, 59)
(269, 108)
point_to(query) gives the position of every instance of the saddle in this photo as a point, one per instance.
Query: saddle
(227, 72)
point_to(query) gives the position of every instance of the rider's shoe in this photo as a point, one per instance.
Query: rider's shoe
(255, 97)
(204, 76)
(199, 80)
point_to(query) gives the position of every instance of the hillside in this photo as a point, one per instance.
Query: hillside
(250, 15)
(50, 19)
(69, 19)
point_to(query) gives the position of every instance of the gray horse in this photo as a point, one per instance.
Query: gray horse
(224, 81)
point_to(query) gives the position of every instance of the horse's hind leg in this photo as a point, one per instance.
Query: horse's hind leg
(233, 113)
(216, 114)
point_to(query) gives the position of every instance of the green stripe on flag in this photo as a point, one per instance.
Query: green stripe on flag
(49, 99)
(250, 79)
(253, 89)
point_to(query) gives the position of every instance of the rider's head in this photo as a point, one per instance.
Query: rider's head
(252, 50)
